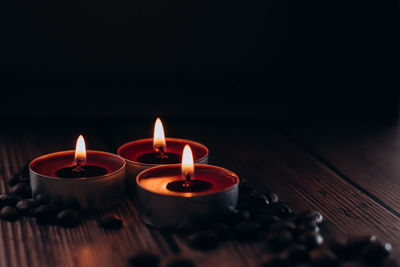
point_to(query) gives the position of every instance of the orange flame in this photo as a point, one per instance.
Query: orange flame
(80, 151)
(159, 137)
(187, 166)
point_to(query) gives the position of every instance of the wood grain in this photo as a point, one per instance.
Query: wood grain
(367, 156)
(271, 163)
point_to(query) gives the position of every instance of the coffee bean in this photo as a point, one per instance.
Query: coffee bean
(340, 249)
(8, 200)
(22, 189)
(311, 239)
(205, 240)
(222, 230)
(280, 240)
(68, 218)
(24, 206)
(297, 253)
(274, 260)
(376, 252)
(9, 213)
(180, 262)
(283, 226)
(356, 244)
(45, 214)
(41, 199)
(265, 220)
(14, 180)
(310, 216)
(245, 188)
(236, 216)
(308, 227)
(323, 258)
(273, 198)
(110, 221)
(144, 259)
(247, 231)
(281, 210)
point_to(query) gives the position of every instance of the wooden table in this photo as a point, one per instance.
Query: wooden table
(350, 173)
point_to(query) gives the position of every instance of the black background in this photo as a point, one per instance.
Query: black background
(202, 59)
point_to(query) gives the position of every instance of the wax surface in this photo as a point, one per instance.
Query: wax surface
(157, 179)
(49, 164)
(155, 158)
(84, 171)
(135, 150)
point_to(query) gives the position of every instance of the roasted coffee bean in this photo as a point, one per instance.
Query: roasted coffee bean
(323, 258)
(245, 188)
(222, 230)
(265, 220)
(308, 227)
(274, 260)
(41, 199)
(144, 259)
(205, 240)
(14, 180)
(22, 189)
(340, 249)
(236, 216)
(311, 239)
(282, 211)
(110, 221)
(24, 206)
(45, 214)
(9, 213)
(376, 252)
(296, 253)
(355, 245)
(273, 198)
(279, 240)
(8, 200)
(68, 218)
(247, 231)
(180, 262)
(283, 226)
(310, 216)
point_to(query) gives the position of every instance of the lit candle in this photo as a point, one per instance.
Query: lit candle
(90, 179)
(178, 195)
(147, 153)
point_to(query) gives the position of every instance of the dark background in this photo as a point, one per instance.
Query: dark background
(203, 59)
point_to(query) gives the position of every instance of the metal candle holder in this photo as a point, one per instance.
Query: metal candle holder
(92, 193)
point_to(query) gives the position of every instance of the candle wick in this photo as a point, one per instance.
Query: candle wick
(162, 155)
(78, 166)
(188, 178)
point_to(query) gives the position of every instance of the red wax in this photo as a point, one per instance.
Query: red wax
(49, 164)
(135, 150)
(157, 179)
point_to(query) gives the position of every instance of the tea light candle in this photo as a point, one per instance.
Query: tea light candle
(89, 180)
(151, 152)
(180, 195)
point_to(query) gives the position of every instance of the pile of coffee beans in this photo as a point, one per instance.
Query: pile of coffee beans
(289, 239)
(19, 202)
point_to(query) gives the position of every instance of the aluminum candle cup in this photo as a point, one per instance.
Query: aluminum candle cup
(164, 208)
(133, 151)
(87, 193)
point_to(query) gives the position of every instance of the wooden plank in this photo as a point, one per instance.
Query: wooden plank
(272, 164)
(365, 155)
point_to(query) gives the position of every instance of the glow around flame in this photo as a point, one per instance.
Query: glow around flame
(187, 166)
(80, 151)
(159, 136)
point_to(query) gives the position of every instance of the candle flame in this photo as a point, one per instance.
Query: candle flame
(80, 151)
(187, 166)
(159, 137)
